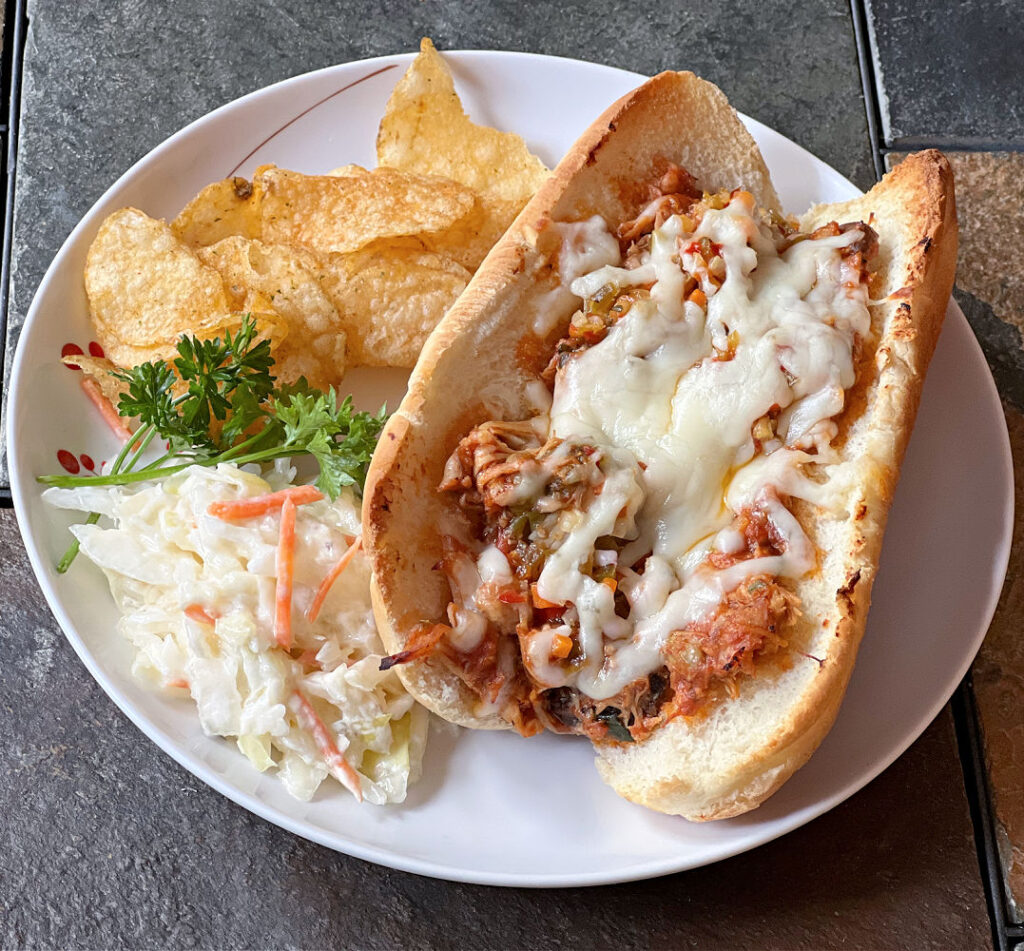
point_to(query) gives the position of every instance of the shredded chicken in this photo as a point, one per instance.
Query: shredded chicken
(675, 192)
(715, 653)
(487, 460)
(748, 626)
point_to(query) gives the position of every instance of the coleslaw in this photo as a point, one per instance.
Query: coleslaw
(198, 600)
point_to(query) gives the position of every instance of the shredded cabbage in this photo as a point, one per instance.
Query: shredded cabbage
(164, 553)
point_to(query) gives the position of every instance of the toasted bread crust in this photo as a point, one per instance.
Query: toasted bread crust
(478, 365)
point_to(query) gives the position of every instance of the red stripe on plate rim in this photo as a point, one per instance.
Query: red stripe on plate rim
(306, 111)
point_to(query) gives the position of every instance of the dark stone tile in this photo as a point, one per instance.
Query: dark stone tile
(107, 80)
(990, 281)
(989, 197)
(1001, 343)
(949, 72)
(107, 842)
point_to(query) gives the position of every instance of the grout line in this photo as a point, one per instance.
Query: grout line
(969, 743)
(871, 50)
(858, 15)
(913, 143)
(15, 32)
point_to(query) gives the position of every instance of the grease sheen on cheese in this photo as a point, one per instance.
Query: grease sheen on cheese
(672, 423)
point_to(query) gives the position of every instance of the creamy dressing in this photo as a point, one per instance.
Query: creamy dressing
(672, 421)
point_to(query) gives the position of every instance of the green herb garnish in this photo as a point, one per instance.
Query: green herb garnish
(224, 378)
(231, 410)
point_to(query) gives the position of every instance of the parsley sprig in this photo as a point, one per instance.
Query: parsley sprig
(226, 380)
(219, 402)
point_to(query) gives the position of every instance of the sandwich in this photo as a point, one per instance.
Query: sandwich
(638, 485)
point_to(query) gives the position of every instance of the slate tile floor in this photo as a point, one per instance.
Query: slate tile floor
(114, 845)
(948, 74)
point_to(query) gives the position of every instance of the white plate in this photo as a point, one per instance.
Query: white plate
(494, 808)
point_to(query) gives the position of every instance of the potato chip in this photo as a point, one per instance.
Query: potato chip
(225, 208)
(389, 299)
(425, 130)
(469, 239)
(348, 171)
(146, 288)
(98, 369)
(336, 214)
(376, 254)
(303, 324)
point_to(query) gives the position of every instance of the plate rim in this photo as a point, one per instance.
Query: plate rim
(432, 868)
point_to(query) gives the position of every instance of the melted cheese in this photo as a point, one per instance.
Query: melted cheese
(673, 424)
(586, 246)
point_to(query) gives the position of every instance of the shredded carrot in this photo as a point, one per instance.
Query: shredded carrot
(512, 596)
(285, 575)
(561, 646)
(332, 576)
(338, 765)
(196, 612)
(698, 297)
(106, 408)
(262, 504)
(538, 601)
